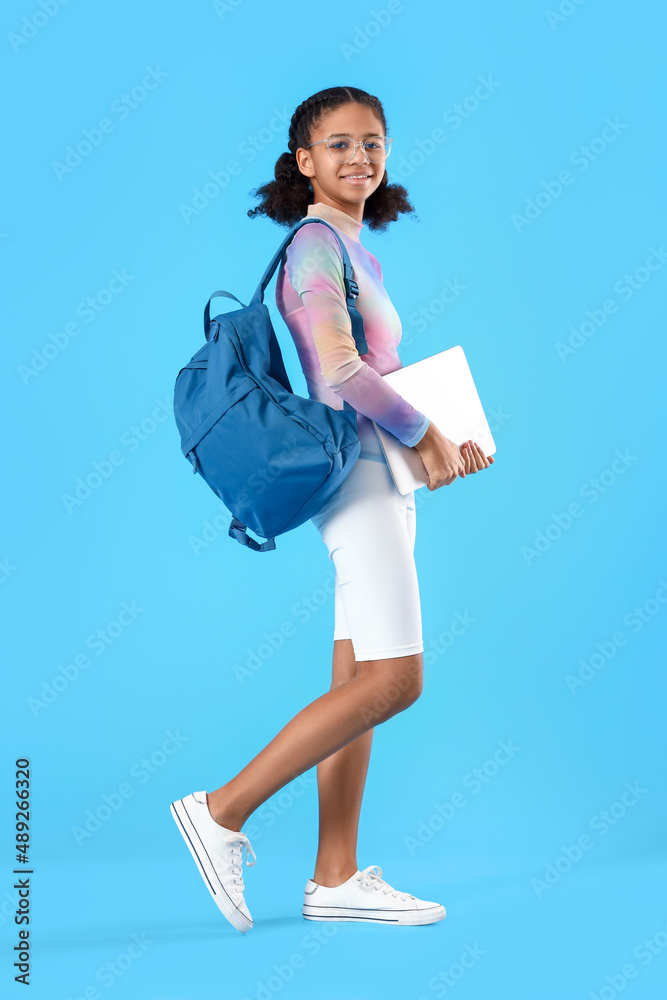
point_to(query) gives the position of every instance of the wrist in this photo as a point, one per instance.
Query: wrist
(425, 438)
(421, 432)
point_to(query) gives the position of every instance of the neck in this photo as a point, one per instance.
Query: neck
(355, 211)
(339, 217)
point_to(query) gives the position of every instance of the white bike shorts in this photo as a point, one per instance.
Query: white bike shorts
(368, 528)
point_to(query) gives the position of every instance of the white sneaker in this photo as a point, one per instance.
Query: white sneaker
(366, 896)
(219, 856)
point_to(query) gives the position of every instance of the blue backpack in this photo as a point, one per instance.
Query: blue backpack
(274, 458)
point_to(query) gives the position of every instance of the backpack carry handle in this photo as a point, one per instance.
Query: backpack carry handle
(351, 287)
(207, 310)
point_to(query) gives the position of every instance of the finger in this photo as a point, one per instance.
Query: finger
(480, 457)
(473, 458)
(474, 462)
(487, 460)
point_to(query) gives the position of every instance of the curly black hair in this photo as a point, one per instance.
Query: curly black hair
(286, 199)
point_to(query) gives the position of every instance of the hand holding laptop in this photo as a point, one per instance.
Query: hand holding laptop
(441, 458)
(442, 387)
(444, 460)
(475, 457)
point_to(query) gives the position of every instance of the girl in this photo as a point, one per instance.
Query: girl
(335, 171)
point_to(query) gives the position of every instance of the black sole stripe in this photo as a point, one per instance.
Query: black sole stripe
(194, 849)
(210, 861)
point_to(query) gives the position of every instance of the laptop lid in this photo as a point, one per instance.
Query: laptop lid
(442, 387)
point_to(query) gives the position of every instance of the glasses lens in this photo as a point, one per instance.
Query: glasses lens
(341, 149)
(377, 149)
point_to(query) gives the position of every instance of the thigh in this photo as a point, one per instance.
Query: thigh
(369, 531)
(341, 628)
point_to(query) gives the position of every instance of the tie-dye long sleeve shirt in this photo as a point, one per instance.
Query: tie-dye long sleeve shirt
(310, 296)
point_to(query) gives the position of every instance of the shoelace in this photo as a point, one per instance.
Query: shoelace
(372, 876)
(237, 845)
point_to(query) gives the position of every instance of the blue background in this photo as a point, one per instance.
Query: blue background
(536, 610)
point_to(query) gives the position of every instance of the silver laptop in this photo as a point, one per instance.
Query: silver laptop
(442, 387)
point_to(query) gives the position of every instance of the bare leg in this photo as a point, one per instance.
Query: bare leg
(340, 780)
(380, 689)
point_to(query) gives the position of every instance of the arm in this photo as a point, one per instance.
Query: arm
(314, 265)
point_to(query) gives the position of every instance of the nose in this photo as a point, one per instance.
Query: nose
(365, 157)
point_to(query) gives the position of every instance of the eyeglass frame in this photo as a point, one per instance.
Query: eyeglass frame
(361, 142)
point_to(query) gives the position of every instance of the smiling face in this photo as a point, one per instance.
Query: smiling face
(332, 182)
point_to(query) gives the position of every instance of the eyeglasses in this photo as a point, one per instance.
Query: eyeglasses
(343, 148)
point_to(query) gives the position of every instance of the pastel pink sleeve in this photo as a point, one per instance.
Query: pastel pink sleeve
(314, 265)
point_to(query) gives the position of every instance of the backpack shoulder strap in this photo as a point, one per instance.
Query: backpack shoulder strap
(351, 287)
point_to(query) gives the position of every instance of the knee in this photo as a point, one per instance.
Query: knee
(397, 683)
(409, 681)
